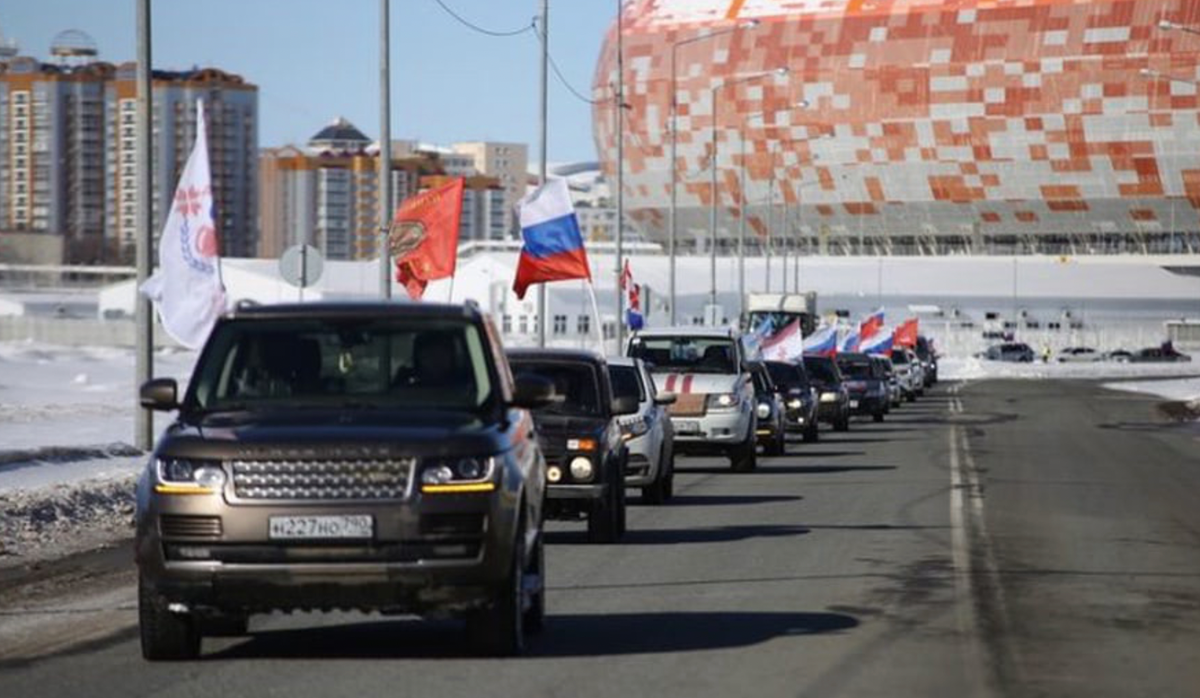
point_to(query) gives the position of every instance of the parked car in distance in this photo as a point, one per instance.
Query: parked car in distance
(929, 360)
(799, 397)
(343, 456)
(1012, 352)
(648, 433)
(1078, 355)
(715, 413)
(1121, 356)
(772, 435)
(865, 383)
(1162, 354)
(580, 435)
(895, 395)
(833, 402)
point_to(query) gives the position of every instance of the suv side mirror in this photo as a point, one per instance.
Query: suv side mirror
(532, 392)
(625, 404)
(664, 399)
(160, 394)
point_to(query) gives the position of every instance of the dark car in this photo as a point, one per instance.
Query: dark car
(343, 456)
(771, 430)
(1162, 354)
(581, 435)
(833, 401)
(799, 397)
(1013, 352)
(929, 359)
(866, 384)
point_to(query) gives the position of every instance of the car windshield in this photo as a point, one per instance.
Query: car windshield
(822, 370)
(899, 358)
(787, 376)
(625, 382)
(303, 363)
(574, 384)
(686, 354)
(856, 369)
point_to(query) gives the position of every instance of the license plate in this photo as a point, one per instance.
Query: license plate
(320, 527)
(687, 427)
(853, 404)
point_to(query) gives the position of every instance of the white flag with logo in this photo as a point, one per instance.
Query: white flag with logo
(187, 287)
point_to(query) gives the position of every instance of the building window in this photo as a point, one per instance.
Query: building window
(583, 324)
(506, 324)
(560, 324)
(523, 324)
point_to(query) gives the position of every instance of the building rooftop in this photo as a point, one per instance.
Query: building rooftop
(341, 132)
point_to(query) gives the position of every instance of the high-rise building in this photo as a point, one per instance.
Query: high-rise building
(326, 193)
(68, 143)
(507, 162)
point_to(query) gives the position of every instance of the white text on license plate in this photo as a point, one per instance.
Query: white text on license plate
(687, 427)
(325, 527)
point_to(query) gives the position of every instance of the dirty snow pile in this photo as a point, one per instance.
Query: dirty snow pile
(67, 466)
(953, 368)
(1182, 395)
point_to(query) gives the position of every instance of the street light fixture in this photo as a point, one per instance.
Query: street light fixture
(671, 227)
(1168, 25)
(712, 215)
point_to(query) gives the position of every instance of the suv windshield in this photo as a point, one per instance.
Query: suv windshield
(301, 363)
(788, 376)
(899, 358)
(625, 382)
(821, 369)
(856, 369)
(575, 384)
(686, 354)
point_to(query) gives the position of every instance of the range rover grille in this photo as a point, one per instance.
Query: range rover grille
(322, 480)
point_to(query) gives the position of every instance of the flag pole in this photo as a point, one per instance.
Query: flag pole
(596, 311)
(543, 113)
(385, 152)
(143, 315)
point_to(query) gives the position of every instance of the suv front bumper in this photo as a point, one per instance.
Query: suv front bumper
(713, 432)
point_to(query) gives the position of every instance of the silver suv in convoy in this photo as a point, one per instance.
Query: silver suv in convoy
(648, 433)
(705, 367)
(375, 456)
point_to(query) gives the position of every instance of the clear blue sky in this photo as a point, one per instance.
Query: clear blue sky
(314, 60)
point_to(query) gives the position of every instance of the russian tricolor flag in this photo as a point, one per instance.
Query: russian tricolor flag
(822, 342)
(872, 324)
(850, 343)
(553, 248)
(881, 343)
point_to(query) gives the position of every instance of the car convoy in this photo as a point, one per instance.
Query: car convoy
(395, 458)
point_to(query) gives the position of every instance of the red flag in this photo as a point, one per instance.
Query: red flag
(424, 237)
(906, 334)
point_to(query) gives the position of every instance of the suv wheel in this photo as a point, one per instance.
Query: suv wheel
(499, 630)
(812, 432)
(745, 457)
(658, 492)
(165, 635)
(878, 416)
(535, 613)
(778, 446)
(604, 517)
(842, 424)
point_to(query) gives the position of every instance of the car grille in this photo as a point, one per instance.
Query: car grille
(176, 526)
(347, 480)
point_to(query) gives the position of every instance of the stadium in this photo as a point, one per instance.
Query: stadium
(911, 126)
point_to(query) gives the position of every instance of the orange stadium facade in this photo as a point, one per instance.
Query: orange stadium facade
(912, 126)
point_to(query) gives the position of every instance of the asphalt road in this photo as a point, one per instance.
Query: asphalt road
(1001, 538)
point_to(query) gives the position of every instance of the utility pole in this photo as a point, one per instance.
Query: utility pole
(543, 112)
(143, 312)
(385, 152)
(620, 183)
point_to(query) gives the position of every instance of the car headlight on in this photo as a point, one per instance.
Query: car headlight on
(829, 397)
(763, 410)
(634, 428)
(188, 476)
(795, 403)
(722, 401)
(553, 474)
(582, 468)
(456, 475)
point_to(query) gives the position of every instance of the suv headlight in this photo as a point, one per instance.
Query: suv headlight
(582, 468)
(763, 410)
(457, 475)
(795, 403)
(722, 401)
(187, 476)
(829, 397)
(635, 428)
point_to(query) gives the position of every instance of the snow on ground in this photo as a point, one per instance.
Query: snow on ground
(955, 368)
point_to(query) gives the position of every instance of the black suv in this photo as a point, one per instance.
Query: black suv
(581, 436)
(833, 400)
(799, 397)
(344, 456)
(866, 383)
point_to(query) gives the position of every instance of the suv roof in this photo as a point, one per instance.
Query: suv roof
(689, 331)
(579, 355)
(354, 309)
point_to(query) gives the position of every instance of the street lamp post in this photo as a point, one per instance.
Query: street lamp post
(674, 102)
(1168, 25)
(712, 213)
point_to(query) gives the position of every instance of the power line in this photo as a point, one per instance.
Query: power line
(482, 30)
(563, 78)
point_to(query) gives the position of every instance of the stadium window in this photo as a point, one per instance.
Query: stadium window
(583, 324)
(523, 324)
(506, 324)
(560, 324)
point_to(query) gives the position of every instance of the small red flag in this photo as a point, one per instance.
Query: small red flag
(424, 237)
(906, 334)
